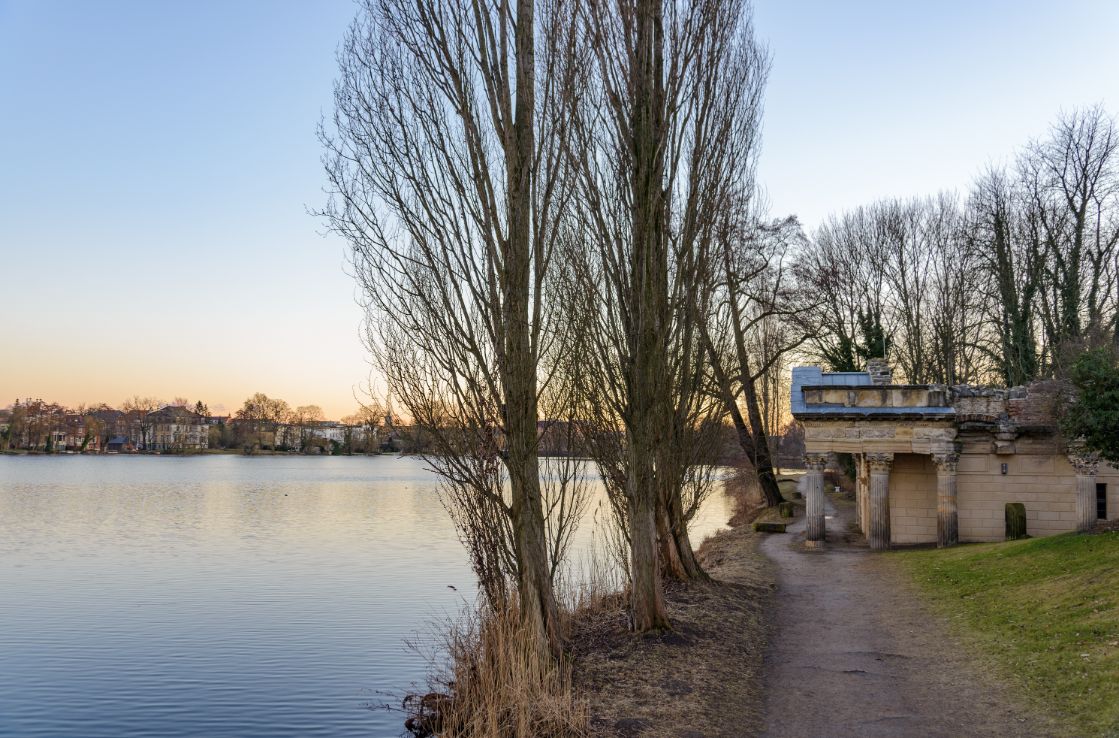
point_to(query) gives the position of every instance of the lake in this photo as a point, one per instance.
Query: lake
(224, 595)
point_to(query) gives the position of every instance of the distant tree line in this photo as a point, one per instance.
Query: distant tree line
(262, 423)
(1007, 284)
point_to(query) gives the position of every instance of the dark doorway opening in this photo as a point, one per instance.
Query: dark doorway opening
(1101, 501)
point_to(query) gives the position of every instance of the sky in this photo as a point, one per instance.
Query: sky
(158, 161)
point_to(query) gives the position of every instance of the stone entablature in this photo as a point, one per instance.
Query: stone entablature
(919, 399)
(846, 435)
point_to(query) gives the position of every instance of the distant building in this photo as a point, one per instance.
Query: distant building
(120, 444)
(79, 433)
(560, 438)
(321, 434)
(113, 422)
(329, 430)
(175, 428)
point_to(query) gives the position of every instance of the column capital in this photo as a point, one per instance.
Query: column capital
(1086, 463)
(880, 462)
(947, 462)
(816, 461)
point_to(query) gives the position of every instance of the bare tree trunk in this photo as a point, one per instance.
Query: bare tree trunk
(759, 444)
(649, 277)
(537, 601)
(453, 203)
(647, 605)
(656, 163)
(675, 539)
(671, 565)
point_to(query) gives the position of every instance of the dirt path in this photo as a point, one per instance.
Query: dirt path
(854, 653)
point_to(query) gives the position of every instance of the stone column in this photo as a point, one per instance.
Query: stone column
(859, 491)
(947, 511)
(814, 496)
(1086, 465)
(878, 525)
(864, 503)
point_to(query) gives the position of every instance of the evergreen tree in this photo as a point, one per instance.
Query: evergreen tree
(1094, 415)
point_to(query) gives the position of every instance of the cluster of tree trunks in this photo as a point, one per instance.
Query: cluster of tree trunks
(524, 182)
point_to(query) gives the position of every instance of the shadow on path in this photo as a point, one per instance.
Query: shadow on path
(855, 653)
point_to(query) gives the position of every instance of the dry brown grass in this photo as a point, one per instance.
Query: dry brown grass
(742, 487)
(701, 679)
(498, 686)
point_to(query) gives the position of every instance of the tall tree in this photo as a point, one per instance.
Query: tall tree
(447, 166)
(367, 420)
(652, 147)
(304, 418)
(759, 317)
(843, 269)
(1003, 232)
(263, 415)
(1072, 180)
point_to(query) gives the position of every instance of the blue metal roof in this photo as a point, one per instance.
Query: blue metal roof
(813, 376)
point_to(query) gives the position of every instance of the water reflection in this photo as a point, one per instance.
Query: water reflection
(223, 595)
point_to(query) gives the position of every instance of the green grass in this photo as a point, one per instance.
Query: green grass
(1045, 611)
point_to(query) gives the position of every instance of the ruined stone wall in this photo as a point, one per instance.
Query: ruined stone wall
(993, 426)
(1034, 406)
(979, 404)
(1039, 476)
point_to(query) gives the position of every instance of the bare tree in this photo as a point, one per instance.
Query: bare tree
(653, 153)
(1003, 233)
(758, 318)
(138, 408)
(447, 171)
(900, 278)
(304, 418)
(264, 415)
(1009, 286)
(1072, 180)
(369, 418)
(843, 270)
(956, 324)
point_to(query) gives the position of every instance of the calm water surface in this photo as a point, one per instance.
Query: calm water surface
(222, 595)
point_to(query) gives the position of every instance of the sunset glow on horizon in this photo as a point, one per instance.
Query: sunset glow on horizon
(160, 163)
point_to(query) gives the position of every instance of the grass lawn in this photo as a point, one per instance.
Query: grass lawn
(1045, 611)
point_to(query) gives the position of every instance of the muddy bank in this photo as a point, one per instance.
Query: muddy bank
(702, 679)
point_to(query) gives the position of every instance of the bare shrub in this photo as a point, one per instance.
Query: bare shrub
(495, 685)
(743, 487)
